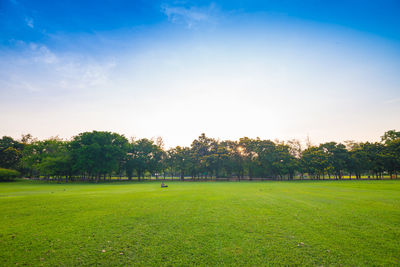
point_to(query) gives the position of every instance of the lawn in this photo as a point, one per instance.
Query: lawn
(200, 223)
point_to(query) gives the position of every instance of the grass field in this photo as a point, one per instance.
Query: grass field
(200, 223)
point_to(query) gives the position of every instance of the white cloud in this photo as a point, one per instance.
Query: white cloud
(43, 54)
(29, 22)
(190, 16)
(242, 83)
(39, 69)
(32, 46)
(78, 74)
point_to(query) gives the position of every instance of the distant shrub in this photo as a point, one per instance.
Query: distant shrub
(7, 174)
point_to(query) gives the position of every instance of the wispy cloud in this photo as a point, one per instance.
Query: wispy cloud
(29, 22)
(79, 75)
(42, 53)
(63, 72)
(190, 16)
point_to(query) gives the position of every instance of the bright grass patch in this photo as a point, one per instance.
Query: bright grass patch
(200, 223)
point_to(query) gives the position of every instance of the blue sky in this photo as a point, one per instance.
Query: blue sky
(273, 69)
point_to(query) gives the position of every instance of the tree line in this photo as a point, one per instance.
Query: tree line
(97, 155)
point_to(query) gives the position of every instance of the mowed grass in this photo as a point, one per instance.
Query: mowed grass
(200, 223)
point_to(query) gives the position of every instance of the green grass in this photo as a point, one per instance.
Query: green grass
(200, 223)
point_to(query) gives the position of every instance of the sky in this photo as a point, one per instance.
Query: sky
(274, 69)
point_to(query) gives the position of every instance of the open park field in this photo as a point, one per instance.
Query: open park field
(200, 223)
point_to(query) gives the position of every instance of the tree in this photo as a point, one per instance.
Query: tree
(144, 155)
(285, 163)
(391, 157)
(247, 150)
(95, 154)
(181, 160)
(373, 158)
(32, 157)
(337, 156)
(55, 158)
(314, 161)
(355, 160)
(232, 161)
(202, 148)
(10, 153)
(389, 136)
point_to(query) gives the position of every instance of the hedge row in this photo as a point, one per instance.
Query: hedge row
(7, 174)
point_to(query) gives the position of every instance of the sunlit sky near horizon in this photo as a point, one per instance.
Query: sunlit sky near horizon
(270, 69)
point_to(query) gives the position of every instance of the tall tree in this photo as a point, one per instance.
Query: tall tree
(373, 158)
(314, 161)
(97, 154)
(144, 156)
(337, 157)
(181, 160)
(202, 148)
(391, 157)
